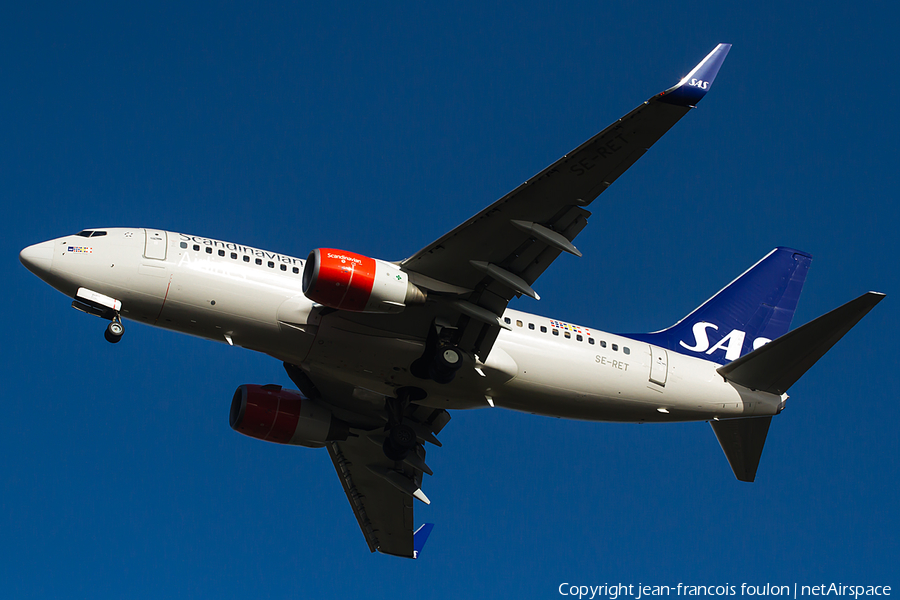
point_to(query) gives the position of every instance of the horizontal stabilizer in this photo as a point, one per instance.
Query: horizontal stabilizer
(742, 440)
(779, 364)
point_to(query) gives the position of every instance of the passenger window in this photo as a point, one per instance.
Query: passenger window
(246, 258)
(518, 323)
(271, 265)
(284, 267)
(234, 255)
(507, 320)
(567, 334)
(296, 270)
(556, 332)
(208, 250)
(602, 344)
(182, 245)
(626, 350)
(196, 247)
(543, 329)
(531, 326)
(579, 338)
(591, 341)
(615, 347)
(259, 261)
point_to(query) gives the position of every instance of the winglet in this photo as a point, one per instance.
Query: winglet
(695, 84)
(420, 537)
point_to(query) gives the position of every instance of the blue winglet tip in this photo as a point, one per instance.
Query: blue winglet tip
(420, 536)
(691, 89)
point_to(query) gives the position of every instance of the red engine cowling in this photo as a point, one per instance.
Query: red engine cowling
(349, 281)
(273, 414)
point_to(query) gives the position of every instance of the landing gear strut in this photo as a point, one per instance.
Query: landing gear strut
(401, 438)
(114, 330)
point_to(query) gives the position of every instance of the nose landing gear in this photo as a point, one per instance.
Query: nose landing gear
(95, 303)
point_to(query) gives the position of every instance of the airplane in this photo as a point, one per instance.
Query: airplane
(380, 351)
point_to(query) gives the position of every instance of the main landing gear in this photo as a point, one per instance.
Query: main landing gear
(401, 438)
(441, 359)
(114, 330)
(446, 362)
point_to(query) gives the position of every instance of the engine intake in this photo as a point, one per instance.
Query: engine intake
(352, 282)
(273, 414)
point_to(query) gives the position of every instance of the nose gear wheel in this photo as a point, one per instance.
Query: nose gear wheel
(114, 331)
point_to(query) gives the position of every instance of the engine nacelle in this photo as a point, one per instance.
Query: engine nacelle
(349, 281)
(273, 414)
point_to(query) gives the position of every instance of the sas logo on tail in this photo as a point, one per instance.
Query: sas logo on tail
(731, 343)
(697, 83)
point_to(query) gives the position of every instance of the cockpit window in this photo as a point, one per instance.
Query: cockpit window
(90, 233)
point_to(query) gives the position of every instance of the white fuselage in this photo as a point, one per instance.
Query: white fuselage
(252, 298)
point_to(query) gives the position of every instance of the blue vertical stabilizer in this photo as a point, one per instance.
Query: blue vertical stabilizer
(752, 310)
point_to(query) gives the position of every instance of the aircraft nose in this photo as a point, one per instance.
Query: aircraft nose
(37, 258)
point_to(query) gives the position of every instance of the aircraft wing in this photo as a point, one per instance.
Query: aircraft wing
(381, 491)
(384, 512)
(501, 251)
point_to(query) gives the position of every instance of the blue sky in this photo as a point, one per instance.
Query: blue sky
(377, 129)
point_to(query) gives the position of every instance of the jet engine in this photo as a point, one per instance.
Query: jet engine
(273, 414)
(357, 283)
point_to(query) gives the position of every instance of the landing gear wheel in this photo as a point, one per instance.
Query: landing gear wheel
(446, 362)
(402, 436)
(393, 453)
(114, 332)
(449, 358)
(400, 440)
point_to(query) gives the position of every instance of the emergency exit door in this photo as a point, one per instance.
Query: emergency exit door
(155, 242)
(659, 365)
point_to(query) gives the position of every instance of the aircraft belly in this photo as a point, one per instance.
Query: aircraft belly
(203, 300)
(380, 364)
(227, 317)
(585, 383)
